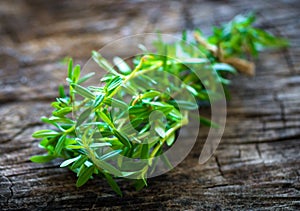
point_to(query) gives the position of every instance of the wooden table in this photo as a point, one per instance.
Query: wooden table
(257, 164)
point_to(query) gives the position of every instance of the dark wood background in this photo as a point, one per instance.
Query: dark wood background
(257, 163)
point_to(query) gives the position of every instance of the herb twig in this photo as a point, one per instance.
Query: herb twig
(107, 130)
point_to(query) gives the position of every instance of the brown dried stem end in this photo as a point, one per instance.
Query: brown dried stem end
(243, 66)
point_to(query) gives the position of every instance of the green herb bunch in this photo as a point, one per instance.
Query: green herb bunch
(117, 129)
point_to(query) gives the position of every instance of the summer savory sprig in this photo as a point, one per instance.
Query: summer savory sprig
(126, 117)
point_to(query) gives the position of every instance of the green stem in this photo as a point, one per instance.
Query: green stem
(71, 129)
(136, 73)
(183, 122)
(137, 68)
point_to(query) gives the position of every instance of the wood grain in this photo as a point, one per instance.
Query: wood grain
(256, 166)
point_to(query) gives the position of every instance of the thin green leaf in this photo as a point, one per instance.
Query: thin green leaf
(41, 158)
(140, 184)
(106, 119)
(83, 91)
(208, 123)
(98, 100)
(83, 116)
(108, 167)
(166, 108)
(185, 105)
(86, 77)
(97, 57)
(69, 161)
(194, 61)
(116, 103)
(224, 67)
(85, 176)
(61, 91)
(113, 183)
(63, 101)
(145, 151)
(139, 109)
(150, 94)
(122, 138)
(76, 73)
(60, 144)
(62, 112)
(160, 131)
(45, 133)
(74, 147)
(111, 154)
(161, 104)
(170, 140)
(191, 90)
(117, 81)
(98, 145)
(52, 122)
(70, 68)
(79, 162)
(122, 65)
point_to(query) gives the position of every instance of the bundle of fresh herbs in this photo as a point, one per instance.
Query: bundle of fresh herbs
(126, 117)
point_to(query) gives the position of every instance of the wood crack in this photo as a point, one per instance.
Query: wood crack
(281, 106)
(258, 151)
(22, 130)
(219, 166)
(4, 186)
(188, 21)
(11, 189)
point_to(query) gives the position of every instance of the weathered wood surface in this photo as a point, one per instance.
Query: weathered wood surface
(257, 163)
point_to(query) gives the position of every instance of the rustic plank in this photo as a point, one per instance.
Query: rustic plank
(257, 163)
